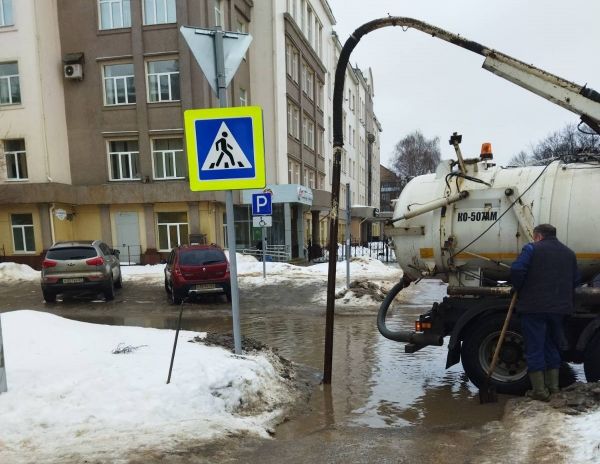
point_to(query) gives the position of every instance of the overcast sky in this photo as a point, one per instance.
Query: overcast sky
(428, 84)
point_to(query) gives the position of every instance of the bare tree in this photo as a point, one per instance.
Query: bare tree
(567, 141)
(415, 155)
(520, 159)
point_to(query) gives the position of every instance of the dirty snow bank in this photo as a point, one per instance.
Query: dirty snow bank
(14, 272)
(71, 398)
(567, 429)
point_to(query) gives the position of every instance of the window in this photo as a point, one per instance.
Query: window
(319, 32)
(243, 97)
(321, 142)
(289, 51)
(114, 14)
(295, 62)
(168, 160)
(119, 85)
(123, 157)
(10, 90)
(16, 161)
(293, 120)
(241, 28)
(6, 13)
(308, 79)
(163, 80)
(305, 177)
(219, 13)
(330, 129)
(311, 180)
(22, 231)
(309, 133)
(320, 94)
(309, 25)
(172, 230)
(159, 11)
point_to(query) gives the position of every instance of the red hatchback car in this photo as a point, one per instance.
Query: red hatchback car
(197, 269)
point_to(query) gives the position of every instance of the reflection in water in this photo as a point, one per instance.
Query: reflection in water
(374, 383)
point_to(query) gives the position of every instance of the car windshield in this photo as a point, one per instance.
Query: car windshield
(200, 257)
(66, 253)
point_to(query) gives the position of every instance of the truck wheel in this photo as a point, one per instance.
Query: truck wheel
(591, 359)
(510, 375)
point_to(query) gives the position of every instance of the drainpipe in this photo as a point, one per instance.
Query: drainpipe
(52, 234)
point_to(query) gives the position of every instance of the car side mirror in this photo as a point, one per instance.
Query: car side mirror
(115, 252)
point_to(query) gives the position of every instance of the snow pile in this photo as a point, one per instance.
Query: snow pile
(12, 272)
(71, 398)
(149, 272)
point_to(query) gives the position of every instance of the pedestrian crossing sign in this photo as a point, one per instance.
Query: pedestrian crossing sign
(225, 148)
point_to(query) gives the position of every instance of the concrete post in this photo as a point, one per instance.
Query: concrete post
(149, 223)
(300, 230)
(105, 225)
(194, 217)
(45, 219)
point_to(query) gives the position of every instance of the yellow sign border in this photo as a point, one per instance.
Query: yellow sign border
(253, 112)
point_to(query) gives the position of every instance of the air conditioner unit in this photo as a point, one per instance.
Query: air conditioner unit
(73, 71)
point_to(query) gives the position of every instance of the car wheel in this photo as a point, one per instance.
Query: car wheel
(119, 281)
(510, 375)
(109, 290)
(49, 297)
(176, 298)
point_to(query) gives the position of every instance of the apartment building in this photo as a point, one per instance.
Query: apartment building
(33, 132)
(124, 74)
(303, 53)
(92, 94)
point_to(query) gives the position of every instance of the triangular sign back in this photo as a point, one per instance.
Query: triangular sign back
(201, 43)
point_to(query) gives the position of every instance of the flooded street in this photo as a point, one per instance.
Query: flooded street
(383, 405)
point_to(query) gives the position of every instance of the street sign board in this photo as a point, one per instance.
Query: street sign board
(225, 148)
(261, 204)
(200, 41)
(262, 221)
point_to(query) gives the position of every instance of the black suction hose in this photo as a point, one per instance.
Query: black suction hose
(418, 338)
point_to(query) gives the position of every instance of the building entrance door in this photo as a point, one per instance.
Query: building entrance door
(128, 237)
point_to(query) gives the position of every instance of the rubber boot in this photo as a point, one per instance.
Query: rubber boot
(539, 391)
(551, 380)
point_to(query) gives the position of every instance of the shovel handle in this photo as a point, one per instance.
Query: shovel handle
(513, 301)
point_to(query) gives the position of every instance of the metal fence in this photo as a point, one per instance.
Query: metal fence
(129, 255)
(279, 253)
(376, 250)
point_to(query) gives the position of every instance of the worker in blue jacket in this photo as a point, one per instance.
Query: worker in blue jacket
(544, 276)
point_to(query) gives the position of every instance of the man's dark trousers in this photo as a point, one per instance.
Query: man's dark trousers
(543, 339)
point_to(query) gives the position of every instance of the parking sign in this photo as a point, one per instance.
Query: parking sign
(261, 204)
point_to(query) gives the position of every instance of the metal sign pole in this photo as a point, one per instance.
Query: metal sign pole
(3, 387)
(348, 219)
(235, 296)
(264, 257)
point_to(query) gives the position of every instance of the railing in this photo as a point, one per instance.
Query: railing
(129, 255)
(377, 250)
(279, 253)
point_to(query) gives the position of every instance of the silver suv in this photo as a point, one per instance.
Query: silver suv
(81, 265)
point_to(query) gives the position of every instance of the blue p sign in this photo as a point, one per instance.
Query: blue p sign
(261, 204)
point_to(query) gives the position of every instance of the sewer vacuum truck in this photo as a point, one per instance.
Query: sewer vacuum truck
(467, 222)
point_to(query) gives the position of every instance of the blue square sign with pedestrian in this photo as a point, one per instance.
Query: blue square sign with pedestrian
(225, 148)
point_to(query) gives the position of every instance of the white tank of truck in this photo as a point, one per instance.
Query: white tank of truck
(464, 226)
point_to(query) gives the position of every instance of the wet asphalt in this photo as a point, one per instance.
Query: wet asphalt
(383, 405)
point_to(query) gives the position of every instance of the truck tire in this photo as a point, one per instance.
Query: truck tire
(510, 375)
(591, 359)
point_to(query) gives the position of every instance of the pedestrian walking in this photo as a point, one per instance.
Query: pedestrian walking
(544, 276)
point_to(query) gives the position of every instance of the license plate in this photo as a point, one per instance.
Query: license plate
(73, 281)
(204, 286)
